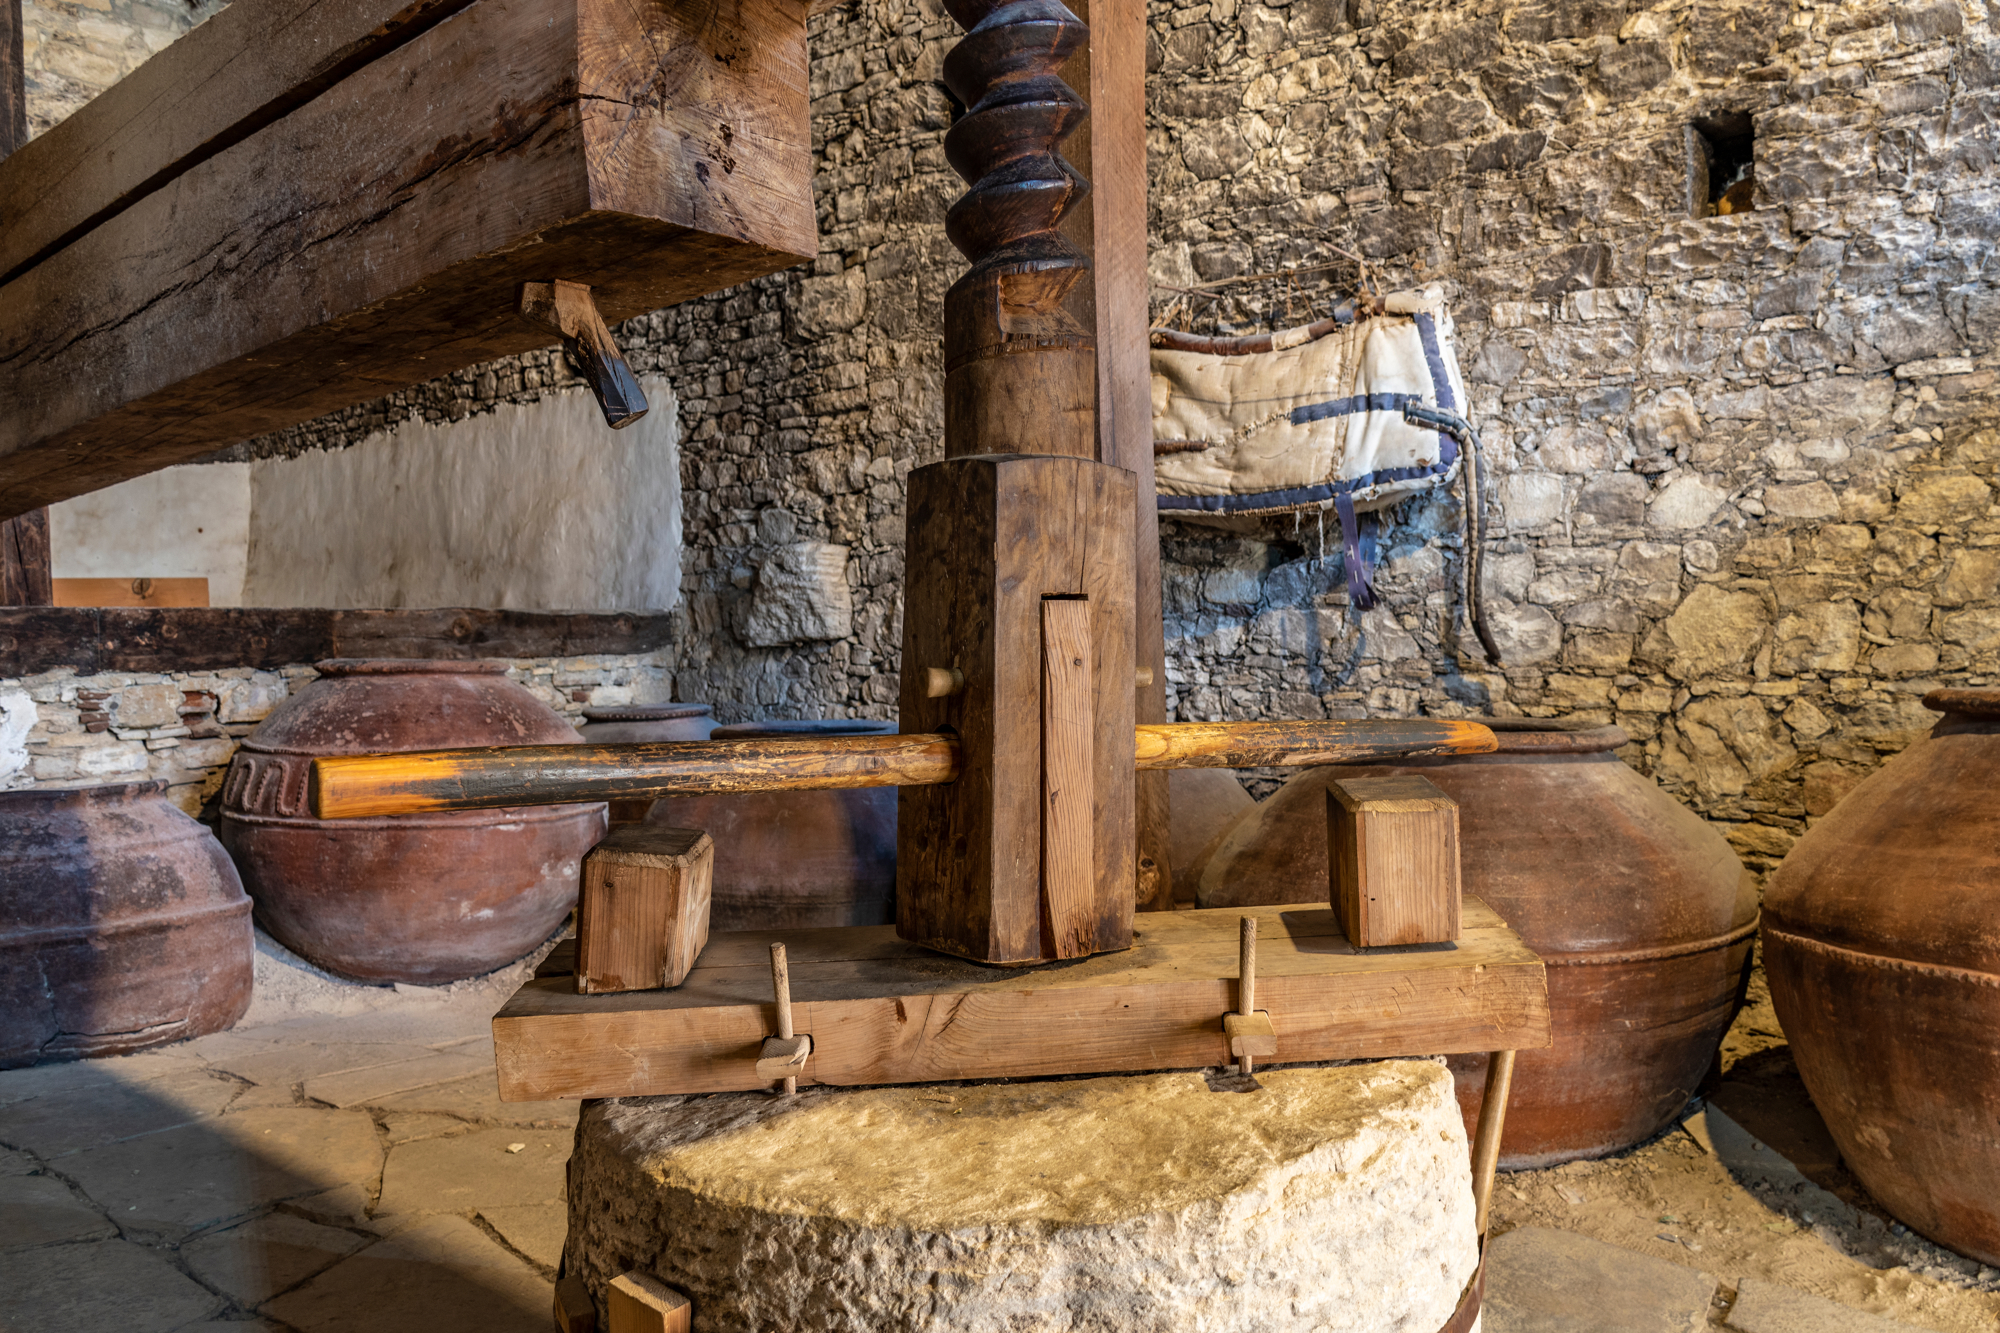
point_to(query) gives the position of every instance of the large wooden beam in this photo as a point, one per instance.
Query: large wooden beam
(379, 233)
(24, 540)
(880, 1010)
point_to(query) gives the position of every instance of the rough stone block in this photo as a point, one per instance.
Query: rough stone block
(801, 596)
(1326, 1198)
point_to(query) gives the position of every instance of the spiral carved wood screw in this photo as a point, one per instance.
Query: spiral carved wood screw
(1020, 368)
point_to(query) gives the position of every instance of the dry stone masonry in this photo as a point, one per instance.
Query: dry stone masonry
(1742, 462)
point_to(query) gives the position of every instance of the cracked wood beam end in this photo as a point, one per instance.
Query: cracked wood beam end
(566, 310)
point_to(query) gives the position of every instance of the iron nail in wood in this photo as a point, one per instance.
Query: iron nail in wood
(1249, 1028)
(785, 1054)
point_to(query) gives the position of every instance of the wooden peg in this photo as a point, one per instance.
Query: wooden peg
(785, 1054)
(574, 1311)
(942, 682)
(641, 1303)
(1142, 677)
(566, 310)
(1249, 1029)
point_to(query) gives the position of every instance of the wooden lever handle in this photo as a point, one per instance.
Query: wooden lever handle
(478, 779)
(566, 310)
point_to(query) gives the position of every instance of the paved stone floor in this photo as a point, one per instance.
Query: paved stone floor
(340, 1161)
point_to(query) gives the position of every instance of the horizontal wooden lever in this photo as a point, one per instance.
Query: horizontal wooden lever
(399, 784)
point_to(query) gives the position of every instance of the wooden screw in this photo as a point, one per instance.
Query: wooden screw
(942, 682)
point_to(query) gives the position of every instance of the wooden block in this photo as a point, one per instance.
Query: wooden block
(574, 1311)
(1068, 918)
(883, 1010)
(990, 540)
(1250, 1034)
(641, 1303)
(131, 592)
(783, 1057)
(642, 914)
(1393, 860)
(378, 231)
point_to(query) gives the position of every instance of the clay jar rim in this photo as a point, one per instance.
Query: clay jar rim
(1541, 735)
(1968, 701)
(647, 712)
(411, 666)
(779, 728)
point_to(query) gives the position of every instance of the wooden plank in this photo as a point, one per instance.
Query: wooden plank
(641, 1303)
(13, 90)
(379, 234)
(131, 592)
(575, 1312)
(1393, 860)
(91, 639)
(881, 1010)
(25, 560)
(642, 910)
(1067, 790)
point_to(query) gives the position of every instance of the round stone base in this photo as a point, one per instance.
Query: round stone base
(1320, 1198)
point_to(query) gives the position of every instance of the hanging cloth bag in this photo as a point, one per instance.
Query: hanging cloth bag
(1352, 414)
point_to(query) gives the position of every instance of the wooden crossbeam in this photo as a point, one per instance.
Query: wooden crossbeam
(882, 1010)
(314, 204)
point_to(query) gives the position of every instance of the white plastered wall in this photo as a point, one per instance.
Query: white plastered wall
(535, 507)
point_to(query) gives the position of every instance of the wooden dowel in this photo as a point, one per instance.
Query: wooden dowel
(1246, 971)
(349, 787)
(781, 984)
(1492, 1123)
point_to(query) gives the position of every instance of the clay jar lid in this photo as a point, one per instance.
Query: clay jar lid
(775, 729)
(383, 705)
(647, 712)
(1544, 735)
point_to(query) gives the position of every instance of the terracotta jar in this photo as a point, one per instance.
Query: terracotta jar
(635, 724)
(796, 858)
(1642, 912)
(1882, 943)
(424, 899)
(122, 924)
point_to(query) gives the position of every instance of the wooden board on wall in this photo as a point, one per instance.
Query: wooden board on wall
(377, 235)
(880, 1010)
(131, 592)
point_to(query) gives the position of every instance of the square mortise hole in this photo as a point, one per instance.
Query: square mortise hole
(1722, 166)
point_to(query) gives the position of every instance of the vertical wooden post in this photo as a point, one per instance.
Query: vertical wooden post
(1110, 227)
(1492, 1125)
(1023, 508)
(24, 539)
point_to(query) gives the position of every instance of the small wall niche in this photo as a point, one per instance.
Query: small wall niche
(1722, 165)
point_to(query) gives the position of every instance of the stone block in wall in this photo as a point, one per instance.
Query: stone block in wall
(138, 707)
(250, 700)
(17, 719)
(1715, 632)
(801, 596)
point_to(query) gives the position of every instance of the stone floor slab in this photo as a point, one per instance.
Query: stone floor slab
(536, 1230)
(1540, 1280)
(475, 1171)
(369, 1086)
(267, 1256)
(440, 1275)
(408, 1127)
(17, 1163)
(1767, 1307)
(183, 1180)
(81, 1075)
(97, 1105)
(478, 1098)
(99, 1286)
(292, 1063)
(41, 1210)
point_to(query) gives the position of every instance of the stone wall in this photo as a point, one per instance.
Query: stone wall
(1742, 463)
(73, 50)
(182, 728)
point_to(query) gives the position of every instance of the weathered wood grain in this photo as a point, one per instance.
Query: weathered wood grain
(642, 909)
(1393, 860)
(26, 561)
(13, 92)
(1067, 917)
(378, 234)
(883, 1010)
(92, 639)
(1296, 744)
(989, 539)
